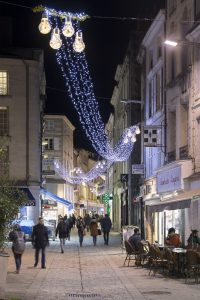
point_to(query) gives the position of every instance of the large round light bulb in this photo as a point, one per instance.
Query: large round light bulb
(126, 140)
(55, 41)
(68, 29)
(129, 134)
(78, 44)
(133, 139)
(137, 130)
(44, 26)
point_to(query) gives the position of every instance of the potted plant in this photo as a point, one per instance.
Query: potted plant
(11, 199)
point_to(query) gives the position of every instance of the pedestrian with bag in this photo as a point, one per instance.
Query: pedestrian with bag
(63, 231)
(94, 229)
(80, 224)
(106, 225)
(17, 238)
(40, 240)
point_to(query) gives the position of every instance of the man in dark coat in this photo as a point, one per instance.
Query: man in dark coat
(135, 239)
(63, 231)
(106, 225)
(40, 240)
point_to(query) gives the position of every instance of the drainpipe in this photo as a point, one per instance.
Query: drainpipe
(27, 122)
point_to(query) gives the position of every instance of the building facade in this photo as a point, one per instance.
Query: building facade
(58, 147)
(22, 94)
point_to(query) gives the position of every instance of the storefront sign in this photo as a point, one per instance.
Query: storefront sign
(138, 169)
(169, 180)
(48, 167)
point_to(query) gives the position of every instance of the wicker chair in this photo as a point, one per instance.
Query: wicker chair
(156, 259)
(172, 263)
(192, 265)
(131, 253)
(143, 252)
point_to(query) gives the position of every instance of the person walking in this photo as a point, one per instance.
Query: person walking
(87, 221)
(106, 225)
(62, 230)
(17, 238)
(80, 224)
(94, 229)
(40, 241)
(70, 223)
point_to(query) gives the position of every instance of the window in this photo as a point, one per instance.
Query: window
(3, 83)
(3, 121)
(172, 4)
(159, 48)
(49, 144)
(158, 92)
(3, 161)
(197, 9)
(49, 124)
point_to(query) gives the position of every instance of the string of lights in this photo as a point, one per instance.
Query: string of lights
(80, 177)
(74, 68)
(119, 18)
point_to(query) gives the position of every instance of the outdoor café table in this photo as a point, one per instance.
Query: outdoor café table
(180, 253)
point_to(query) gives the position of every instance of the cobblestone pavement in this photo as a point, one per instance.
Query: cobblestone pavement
(90, 272)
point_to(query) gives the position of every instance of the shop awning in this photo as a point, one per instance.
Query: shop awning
(173, 205)
(31, 200)
(55, 197)
(181, 201)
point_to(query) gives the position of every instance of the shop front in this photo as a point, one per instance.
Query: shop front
(175, 202)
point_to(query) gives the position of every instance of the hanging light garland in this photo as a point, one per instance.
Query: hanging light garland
(73, 64)
(81, 176)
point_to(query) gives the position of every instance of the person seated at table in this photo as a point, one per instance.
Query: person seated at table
(193, 239)
(135, 238)
(173, 239)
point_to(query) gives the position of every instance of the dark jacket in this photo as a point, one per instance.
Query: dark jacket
(40, 237)
(80, 224)
(134, 240)
(62, 229)
(106, 224)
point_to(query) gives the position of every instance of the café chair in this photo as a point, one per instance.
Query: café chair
(172, 262)
(143, 252)
(131, 253)
(156, 259)
(192, 267)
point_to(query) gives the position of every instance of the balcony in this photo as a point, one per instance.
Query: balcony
(171, 156)
(183, 152)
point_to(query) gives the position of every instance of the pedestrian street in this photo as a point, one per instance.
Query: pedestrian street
(91, 272)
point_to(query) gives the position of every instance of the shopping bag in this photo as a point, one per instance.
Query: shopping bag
(99, 231)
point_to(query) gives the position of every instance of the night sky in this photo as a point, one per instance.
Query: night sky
(106, 39)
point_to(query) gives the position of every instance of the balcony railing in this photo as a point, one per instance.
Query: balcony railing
(183, 152)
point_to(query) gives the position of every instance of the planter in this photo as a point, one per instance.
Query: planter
(3, 273)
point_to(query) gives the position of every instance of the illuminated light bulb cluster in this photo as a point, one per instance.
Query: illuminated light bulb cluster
(78, 44)
(67, 30)
(130, 136)
(100, 164)
(79, 85)
(77, 170)
(44, 26)
(55, 41)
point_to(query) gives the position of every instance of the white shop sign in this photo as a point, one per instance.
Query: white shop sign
(169, 180)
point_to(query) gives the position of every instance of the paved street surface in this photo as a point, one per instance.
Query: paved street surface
(90, 272)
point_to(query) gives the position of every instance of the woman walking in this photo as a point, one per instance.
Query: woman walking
(17, 238)
(80, 224)
(94, 229)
